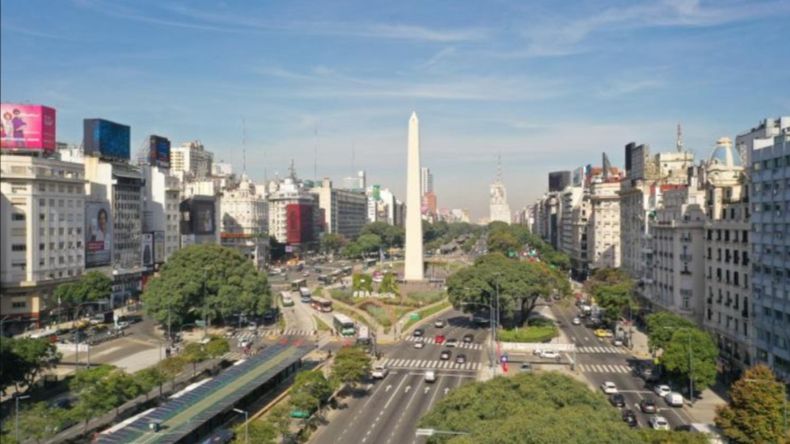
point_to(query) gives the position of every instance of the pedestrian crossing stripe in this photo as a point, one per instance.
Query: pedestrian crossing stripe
(610, 350)
(604, 368)
(288, 332)
(427, 340)
(429, 363)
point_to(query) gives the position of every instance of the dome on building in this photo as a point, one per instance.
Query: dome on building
(724, 155)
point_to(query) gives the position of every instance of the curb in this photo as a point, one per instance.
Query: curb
(428, 318)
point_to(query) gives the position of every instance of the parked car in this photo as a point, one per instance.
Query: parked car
(460, 359)
(674, 399)
(445, 355)
(469, 338)
(439, 323)
(647, 405)
(617, 342)
(658, 422)
(439, 339)
(452, 342)
(617, 400)
(662, 390)
(379, 372)
(630, 418)
(609, 387)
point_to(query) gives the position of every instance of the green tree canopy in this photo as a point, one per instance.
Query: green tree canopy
(661, 326)
(503, 241)
(703, 356)
(612, 289)
(351, 366)
(391, 236)
(389, 284)
(37, 422)
(90, 287)
(100, 389)
(332, 242)
(206, 280)
(24, 359)
(310, 388)
(531, 408)
(755, 412)
(217, 347)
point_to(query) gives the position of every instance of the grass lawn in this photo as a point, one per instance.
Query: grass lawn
(425, 312)
(342, 295)
(321, 324)
(379, 314)
(528, 334)
(426, 297)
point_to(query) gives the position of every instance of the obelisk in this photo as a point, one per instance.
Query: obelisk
(413, 267)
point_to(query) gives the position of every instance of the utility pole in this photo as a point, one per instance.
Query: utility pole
(16, 415)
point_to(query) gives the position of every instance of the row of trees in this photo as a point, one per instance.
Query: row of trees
(519, 284)
(511, 240)
(92, 286)
(23, 360)
(206, 282)
(536, 408)
(612, 289)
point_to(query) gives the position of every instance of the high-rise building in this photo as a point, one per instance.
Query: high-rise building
(161, 199)
(603, 244)
(558, 180)
(245, 220)
(356, 183)
(572, 223)
(294, 216)
(426, 180)
(499, 210)
(727, 269)
(42, 235)
(191, 161)
(770, 225)
(760, 136)
(344, 211)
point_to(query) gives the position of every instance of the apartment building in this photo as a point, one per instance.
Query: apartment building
(245, 220)
(604, 227)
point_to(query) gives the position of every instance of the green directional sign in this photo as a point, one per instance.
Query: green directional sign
(414, 316)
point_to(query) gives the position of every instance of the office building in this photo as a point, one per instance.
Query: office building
(344, 211)
(603, 241)
(191, 161)
(245, 221)
(161, 200)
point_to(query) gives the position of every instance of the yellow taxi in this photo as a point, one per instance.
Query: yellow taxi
(603, 333)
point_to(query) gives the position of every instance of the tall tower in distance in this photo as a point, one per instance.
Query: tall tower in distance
(499, 210)
(413, 268)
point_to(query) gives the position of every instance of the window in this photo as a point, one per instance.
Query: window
(18, 216)
(18, 247)
(19, 304)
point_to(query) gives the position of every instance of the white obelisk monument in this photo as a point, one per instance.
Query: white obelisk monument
(413, 267)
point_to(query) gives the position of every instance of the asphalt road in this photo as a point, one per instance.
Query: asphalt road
(389, 410)
(599, 361)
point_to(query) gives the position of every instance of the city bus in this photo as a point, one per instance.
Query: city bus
(297, 284)
(304, 295)
(363, 337)
(321, 304)
(288, 301)
(325, 279)
(343, 325)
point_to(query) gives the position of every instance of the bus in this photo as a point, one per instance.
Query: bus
(288, 301)
(297, 284)
(363, 337)
(346, 271)
(370, 262)
(343, 325)
(325, 279)
(304, 294)
(322, 304)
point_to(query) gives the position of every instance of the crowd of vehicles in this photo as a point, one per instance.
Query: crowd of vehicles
(647, 404)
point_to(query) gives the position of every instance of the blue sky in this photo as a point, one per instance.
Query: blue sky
(548, 85)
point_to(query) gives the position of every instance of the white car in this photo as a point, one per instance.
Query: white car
(662, 390)
(674, 399)
(430, 376)
(658, 422)
(379, 372)
(576, 321)
(549, 354)
(609, 387)
(419, 344)
(438, 323)
(617, 342)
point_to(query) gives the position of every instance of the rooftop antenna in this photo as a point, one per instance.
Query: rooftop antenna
(292, 171)
(606, 167)
(679, 139)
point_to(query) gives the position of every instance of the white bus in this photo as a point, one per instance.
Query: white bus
(344, 325)
(304, 294)
(363, 337)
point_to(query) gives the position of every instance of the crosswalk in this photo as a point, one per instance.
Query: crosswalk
(429, 363)
(603, 349)
(427, 340)
(288, 332)
(604, 368)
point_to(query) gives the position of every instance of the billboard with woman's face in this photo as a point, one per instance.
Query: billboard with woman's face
(27, 127)
(98, 234)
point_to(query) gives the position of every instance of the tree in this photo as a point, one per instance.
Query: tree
(120, 387)
(332, 242)
(612, 289)
(661, 326)
(259, 431)
(24, 359)
(362, 282)
(280, 418)
(38, 422)
(369, 243)
(390, 235)
(217, 347)
(172, 367)
(91, 392)
(389, 284)
(755, 412)
(150, 377)
(503, 241)
(351, 366)
(206, 280)
(194, 353)
(90, 287)
(309, 390)
(702, 358)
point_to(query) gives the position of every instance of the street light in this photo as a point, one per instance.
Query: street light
(16, 415)
(784, 397)
(77, 338)
(246, 424)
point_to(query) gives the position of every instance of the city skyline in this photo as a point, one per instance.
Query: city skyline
(483, 80)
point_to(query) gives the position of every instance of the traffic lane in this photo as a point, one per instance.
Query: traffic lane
(402, 405)
(578, 333)
(444, 384)
(393, 390)
(352, 420)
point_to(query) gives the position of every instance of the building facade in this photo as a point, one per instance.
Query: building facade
(161, 198)
(245, 221)
(344, 211)
(604, 233)
(191, 160)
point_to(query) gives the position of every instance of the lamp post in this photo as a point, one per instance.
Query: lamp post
(246, 424)
(78, 335)
(16, 414)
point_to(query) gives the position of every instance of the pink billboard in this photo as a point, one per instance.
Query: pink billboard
(27, 127)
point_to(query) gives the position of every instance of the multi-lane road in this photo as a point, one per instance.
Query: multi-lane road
(390, 409)
(598, 360)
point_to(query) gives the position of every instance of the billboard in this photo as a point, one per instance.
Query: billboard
(159, 151)
(376, 192)
(98, 234)
(106, 139)
(299, 223)
(159, 246)
(147, 250)
(202, 216)
(27, 127)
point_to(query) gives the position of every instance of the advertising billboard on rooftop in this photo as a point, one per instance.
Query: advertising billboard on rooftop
(106, 139)
(159, 151)
(27, 127)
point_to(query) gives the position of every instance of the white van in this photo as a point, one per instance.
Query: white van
(674, 399)
(430, 376)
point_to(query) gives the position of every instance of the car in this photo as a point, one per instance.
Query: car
(469, 338)
(418, 333)
(674, 399)
(419, 344)
(658, 422)
(603, 333)
(617, 400)
(609, 387)
(245, 343)
(617, 342)
(439, 339)
(452, 342)
(630, 417)
(647, 405)
(576, 321)
(445, 355)
(460, 359)
(379, 372)
(525, 367)
(122, 325)
(662, 390)
(430, 376)
(549, 354)
(439, 323)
